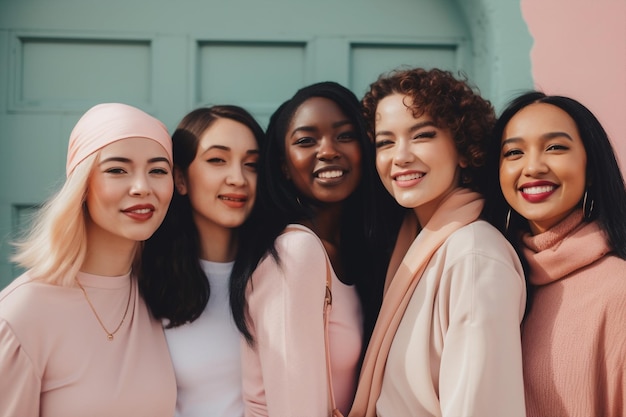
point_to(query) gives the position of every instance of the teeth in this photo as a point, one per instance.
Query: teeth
(231, 199)
(538, 190)
(409, 177)
(330, 174)
(141, 211)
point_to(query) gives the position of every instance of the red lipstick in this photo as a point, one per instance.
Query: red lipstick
(140, 212)
(537, 191)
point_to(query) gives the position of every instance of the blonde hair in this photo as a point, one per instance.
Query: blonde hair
(55, 247)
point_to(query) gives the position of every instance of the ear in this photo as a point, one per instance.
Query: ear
(179, 181)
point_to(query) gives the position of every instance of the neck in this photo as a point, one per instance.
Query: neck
(218, 244)
(107, 259)
(326, 223)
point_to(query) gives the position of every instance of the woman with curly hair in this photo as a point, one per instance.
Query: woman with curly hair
(447, 339)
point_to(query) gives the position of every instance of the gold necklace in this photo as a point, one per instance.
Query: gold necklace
(109, 334)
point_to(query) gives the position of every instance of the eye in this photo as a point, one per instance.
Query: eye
(252, 165)
(556, 147)
(425, 135)
(305, 141)
(159, 171)
(347, 136)
(382, 143)
(512, 153)
(115, 171)
(215, 160)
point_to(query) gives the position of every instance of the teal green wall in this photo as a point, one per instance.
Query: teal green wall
(57, 58)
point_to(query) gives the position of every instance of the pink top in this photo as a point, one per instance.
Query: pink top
(55, 359)
(284, 375)
(574, 335)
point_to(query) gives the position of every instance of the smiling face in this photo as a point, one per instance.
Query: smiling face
(322, 152)
(542, 165)
(129, 191)
(417, 161)
(221, 180)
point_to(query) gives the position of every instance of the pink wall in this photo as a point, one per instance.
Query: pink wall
(579, 50)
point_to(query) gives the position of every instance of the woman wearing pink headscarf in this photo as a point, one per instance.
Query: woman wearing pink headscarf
(76, 338)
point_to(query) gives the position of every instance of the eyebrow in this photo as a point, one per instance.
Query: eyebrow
(416, 126)
(544, 137)
(335, 125)
(228, 149)
(128, 160)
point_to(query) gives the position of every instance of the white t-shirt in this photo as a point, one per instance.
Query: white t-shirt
(206, 354)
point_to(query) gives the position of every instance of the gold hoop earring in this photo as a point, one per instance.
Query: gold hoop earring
(508, 220)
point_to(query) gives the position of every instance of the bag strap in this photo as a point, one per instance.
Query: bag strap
(328, 304)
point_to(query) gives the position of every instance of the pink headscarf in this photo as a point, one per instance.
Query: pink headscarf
(106, 123)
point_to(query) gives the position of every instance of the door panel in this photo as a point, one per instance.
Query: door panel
(368, 61)
(60, 57)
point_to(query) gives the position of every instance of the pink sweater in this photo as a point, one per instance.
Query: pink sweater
(56, 361)
(574, 337)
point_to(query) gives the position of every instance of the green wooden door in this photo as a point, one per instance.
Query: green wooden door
(58, 58)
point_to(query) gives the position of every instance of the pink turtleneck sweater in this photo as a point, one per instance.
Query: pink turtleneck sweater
(574, 337)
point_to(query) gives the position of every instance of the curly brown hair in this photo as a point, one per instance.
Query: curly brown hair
(451, 103)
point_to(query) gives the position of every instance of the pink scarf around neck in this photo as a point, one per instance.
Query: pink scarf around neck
(459, 209)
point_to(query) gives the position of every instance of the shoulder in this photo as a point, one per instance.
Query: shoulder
(480, 239)
(480, 270)
(30, 307)
(299, 241)
(479, 255)
(609, 278)
(295, 276)
(295, 233)
(298, 250)
(26, 299)
(24, 294)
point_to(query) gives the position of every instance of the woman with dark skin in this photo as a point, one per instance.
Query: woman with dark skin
(316, 189)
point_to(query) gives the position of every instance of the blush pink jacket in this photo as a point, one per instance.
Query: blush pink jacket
(284, 373)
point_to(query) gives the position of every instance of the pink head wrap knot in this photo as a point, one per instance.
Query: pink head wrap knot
(106, 123)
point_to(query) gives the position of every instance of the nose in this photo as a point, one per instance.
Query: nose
(535, 165)
(327, 150)
(235, 176)
(403, 154)
(140, 185)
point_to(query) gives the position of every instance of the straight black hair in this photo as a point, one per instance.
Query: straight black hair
(605, 183)
(364, 247)
(172, 281)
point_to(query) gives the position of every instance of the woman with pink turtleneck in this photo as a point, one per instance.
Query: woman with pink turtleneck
(566, 215)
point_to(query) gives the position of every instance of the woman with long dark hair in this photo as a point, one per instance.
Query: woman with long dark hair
(316, 196)
(188, 262)
(557, 193)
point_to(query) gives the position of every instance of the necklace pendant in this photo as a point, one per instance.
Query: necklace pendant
(109, 337)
